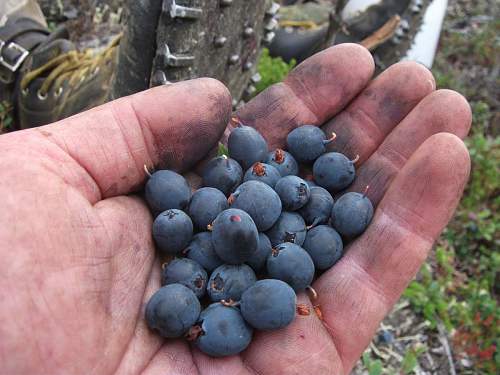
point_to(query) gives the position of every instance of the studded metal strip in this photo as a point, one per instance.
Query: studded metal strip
(213, 38)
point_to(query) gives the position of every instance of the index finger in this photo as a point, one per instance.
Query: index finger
(313, 92)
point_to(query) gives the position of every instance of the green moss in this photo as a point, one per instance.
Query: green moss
(272, 70)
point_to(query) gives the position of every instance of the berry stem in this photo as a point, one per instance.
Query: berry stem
(229, 303)
(210, 227)
(366, 191)
(315, 222)
(355, 160)
(237, 121)
(148, 173)
(313, 295)
(330, 140)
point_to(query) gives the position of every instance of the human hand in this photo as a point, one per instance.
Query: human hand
(78, 261)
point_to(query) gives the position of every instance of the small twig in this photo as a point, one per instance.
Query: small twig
(392, 353)
(377, 352)
(431, 361)
(383, 34)
(443, 338)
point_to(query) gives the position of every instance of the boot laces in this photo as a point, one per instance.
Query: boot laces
(73, 66)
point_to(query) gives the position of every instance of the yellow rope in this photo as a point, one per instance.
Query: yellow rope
(74, 65)
(303, 24)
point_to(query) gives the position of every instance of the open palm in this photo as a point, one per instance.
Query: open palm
(78, 261)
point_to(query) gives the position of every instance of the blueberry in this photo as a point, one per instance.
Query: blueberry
(292, 264)
(290, 227)
(228, 282)
(385, 337)
(247, 146)
(268, 304)
(201, 250)
(258, 260)
(223, 331)
(307, 143)
(165, 190)
(319, 207)
(351, 214)
(172, 231)
(172, 310)
(206, 203)
(311, 183)
(264, 173)
(260, 201)
(284, 162)
(186, 272)
(293, 192)
(334, 171)
(234, 236)
(222, 173)
(324, 245)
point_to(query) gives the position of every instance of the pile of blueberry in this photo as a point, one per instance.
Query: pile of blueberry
(246, 243)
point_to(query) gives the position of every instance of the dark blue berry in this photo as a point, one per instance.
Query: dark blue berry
(351, 214)
(206, 203)
(186, 272)
(172, 231)
(258, 260)
(307, 143)
(385, 337)
(228, 282)
(290, 227)
(269, 304)
(292, 264)
(247, 146)
(334, 171)
(223, 332)
(293, 192)
(222, 173)
(201, 250)
(234, 236)
(172, 310)
(319, 207)
(324, 245)
(264, 173)
(260, 201)
(284, 162)
(165, 190)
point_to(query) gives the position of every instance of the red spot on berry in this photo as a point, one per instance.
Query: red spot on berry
(235, 218)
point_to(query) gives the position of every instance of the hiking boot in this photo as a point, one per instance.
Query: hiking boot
(22, 29)
(304, 29)
(386, 27)
(58, 81)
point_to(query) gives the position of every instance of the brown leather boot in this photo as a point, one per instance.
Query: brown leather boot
(58, 81)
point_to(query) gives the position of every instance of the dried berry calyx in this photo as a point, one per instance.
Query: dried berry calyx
(303, 309)
(279, 156)
(259, 169)
(194, 332)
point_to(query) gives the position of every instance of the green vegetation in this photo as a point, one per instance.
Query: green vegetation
(5, 116)
(272, 70)
(461, 287)
(457, 289)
